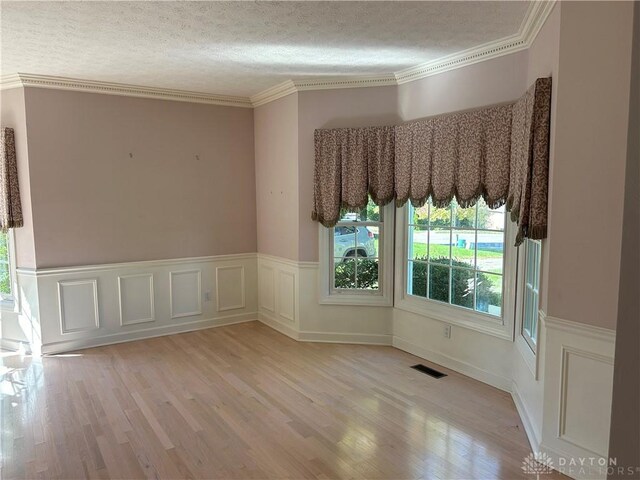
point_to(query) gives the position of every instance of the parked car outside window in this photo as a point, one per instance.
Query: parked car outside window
(346, 247)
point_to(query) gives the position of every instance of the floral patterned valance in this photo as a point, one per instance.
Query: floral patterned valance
(498, 152)
(10, 206)
(351, 164)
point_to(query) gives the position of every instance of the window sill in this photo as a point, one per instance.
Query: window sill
(455, 316)
(356, 300)
(9, 306)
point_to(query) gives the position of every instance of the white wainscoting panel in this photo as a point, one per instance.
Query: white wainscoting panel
(585, 399)
(78, 302)
(287, 295)
(266, 288)
(288, 292)
(186, 293)
(230, 287)
(85, 306)
(578, 385)
(136, 298)
(278, 292)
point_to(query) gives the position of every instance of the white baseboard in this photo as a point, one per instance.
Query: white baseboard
(81, 343)
(521, 407)
(338, 337)
(454, 364)
(15, 345)
(324, 337)
(270, 321)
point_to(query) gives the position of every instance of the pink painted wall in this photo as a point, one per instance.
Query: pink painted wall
(589, 161)
(276, 139)
(187, 190)
(624, 443)
(12, 108)
(497, 80)
(348, 107)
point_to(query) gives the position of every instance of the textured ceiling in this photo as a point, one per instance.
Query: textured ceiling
(240, 48)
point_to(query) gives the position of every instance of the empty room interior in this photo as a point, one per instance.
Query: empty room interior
(335, 240)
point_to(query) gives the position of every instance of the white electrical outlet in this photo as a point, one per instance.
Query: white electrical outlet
(207, 296)
(447, 331)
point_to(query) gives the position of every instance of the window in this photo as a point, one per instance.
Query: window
(355, 252)
(456, 256)
(5, 267)
(531, 289)
(457, 265)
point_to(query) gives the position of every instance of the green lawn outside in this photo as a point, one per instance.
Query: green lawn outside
(420, 250)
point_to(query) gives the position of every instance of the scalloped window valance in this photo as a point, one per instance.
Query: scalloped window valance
(10, 206)
(499, 153)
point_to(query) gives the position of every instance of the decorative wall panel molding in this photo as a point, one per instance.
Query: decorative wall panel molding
(278, 292)
(578, 382)
(582, 422)
(186, 293)
(266, 288)
(286, 299)
(136, 298)
(78, 303)
(230, 287)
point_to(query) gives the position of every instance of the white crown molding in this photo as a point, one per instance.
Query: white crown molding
(273, 93)
(326, 83)
(534, 19)
(62, 83)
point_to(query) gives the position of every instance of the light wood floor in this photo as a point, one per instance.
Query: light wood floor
(247, 402)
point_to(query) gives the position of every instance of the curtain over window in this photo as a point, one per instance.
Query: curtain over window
(351, 164)
(10, 207)
(499, 153)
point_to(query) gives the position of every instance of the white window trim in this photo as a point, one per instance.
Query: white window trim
(12, 303)
(381, 298)
(452, 314)
(528, 352)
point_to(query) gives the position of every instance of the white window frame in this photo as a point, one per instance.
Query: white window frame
(528, 348)
(11, 303)
(383, 297)
(500, 327)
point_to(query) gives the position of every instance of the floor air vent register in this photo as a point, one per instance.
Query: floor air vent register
(429, 371)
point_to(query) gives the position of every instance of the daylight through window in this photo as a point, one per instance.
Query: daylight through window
(355, 250)
(5, 269)
(456, 255)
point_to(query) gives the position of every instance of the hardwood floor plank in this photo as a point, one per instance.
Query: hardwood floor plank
(245, 402)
